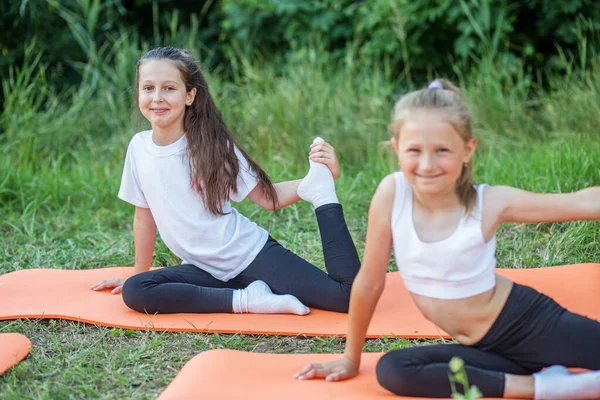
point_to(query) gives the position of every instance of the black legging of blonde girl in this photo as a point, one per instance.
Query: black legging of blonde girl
(532, 332)
(189, 289)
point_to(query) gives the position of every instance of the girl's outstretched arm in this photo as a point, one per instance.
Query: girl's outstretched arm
(366, 290)
(144, 238)
(287, 192)
(517, 205)
(286, 195)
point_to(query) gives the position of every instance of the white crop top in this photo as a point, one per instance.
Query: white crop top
(462, 265)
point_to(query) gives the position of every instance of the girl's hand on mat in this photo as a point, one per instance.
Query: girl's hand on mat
(324, 153)
(115, 284)
(332, 371)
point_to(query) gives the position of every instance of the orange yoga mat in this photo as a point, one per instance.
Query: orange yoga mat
(66, 294)
(13, 348)
(231, 374)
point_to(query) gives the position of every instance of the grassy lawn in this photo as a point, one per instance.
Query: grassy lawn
(61, 160)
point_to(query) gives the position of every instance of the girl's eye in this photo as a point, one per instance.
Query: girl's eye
(146, 88)
(169, 88)
(413, 150)
(443, 150)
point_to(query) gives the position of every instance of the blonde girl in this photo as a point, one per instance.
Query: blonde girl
(442, 229)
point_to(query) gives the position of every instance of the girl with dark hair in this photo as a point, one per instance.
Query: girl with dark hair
(182, 175)
(442, 228)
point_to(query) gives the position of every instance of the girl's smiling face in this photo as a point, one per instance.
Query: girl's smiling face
(162, 96)
(431, 152)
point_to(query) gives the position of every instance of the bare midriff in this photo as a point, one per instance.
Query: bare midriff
(467, 320)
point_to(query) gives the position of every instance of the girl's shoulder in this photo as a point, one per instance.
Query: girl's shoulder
(491, 202)
(397, 185)
(142, 136)
(382, 202)
(394, 188)
(388, 184)
(492, 196)
(394, 181)
(386, 192)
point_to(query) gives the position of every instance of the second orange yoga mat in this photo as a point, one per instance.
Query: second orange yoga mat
(66, 294)
(230, 374)
(13, 348)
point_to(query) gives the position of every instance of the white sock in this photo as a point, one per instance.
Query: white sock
(557, 382)
(258, 298)
(318, 187)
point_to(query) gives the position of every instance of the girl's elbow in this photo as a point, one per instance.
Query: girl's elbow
(595, 200)
(368, 284)
(273, 206)
(592, 203)
(268, 206)
(595, 213)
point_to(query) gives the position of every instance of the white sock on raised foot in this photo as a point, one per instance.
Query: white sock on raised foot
(257, 298)
(318, 186)
(557, 382)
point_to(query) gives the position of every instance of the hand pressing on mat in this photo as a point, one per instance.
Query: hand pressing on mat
(115, 284)
(332, 371)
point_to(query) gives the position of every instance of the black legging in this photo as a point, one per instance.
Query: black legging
(189, 289)
(532, 332)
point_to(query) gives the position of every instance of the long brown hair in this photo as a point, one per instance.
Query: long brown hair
(448, 100)
(214, 166)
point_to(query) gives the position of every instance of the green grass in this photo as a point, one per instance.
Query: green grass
(61, 156)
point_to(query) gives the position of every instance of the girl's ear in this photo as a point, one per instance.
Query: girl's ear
(394, 143)
(190, 96)
(470, 147)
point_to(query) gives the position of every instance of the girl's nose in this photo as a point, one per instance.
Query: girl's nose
(426, 162)
(157, 96)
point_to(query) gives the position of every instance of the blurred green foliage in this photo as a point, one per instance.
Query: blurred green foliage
(413, 39)
(418, 36)
(65, 30)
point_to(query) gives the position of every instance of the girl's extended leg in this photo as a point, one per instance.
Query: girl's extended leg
(178, 289)
(285, 272)
(340, 255)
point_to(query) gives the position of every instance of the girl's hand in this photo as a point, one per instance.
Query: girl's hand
(115, 284)
(332, 371)
(324, 153)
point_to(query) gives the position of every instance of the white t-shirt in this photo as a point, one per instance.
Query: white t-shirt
(158, 177)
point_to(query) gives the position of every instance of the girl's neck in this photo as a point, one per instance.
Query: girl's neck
(165, 137)
(439, 202)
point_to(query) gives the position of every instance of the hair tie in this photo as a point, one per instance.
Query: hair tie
(436, 84)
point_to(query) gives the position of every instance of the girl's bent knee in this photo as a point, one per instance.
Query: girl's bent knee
(326, 299)
(133, 293)
(392, 374)
(341, 304)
